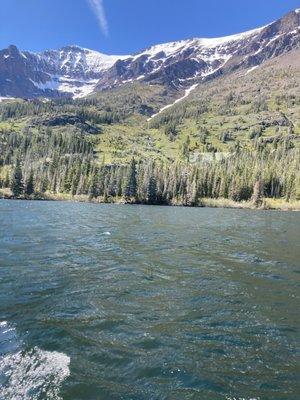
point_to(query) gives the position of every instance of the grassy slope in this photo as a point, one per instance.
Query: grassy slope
(224, 105)
(231, 104)
(231, 108)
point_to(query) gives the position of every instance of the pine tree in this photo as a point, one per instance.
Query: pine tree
(130, 189)
(44, 184)
(16, 183)
(93, 188)
(151, 191)
(193, 194)
(7, 180)
(29, 187)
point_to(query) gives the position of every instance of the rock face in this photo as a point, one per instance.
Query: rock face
(62, 120)
(71, 71)
(76, 72)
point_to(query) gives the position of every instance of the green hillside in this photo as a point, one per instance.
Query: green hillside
(251, 115)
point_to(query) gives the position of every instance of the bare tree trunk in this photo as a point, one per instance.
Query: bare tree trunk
(258, 193)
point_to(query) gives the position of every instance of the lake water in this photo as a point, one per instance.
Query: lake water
(104, 302)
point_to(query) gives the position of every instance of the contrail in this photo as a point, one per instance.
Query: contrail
(98, 8)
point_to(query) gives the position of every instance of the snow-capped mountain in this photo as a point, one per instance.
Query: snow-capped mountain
(72, 71)
(186, 62)
(178, 62)
(77, 72)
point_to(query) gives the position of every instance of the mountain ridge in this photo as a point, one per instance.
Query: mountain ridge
(74, 71)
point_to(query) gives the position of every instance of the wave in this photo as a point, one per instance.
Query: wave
(28, 375)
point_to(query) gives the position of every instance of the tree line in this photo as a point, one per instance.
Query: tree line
(47, 161)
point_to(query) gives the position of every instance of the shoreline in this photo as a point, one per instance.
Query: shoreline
(267, 203)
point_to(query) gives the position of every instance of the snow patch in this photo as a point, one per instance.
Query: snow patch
(274, 38)
(80, 59)
(125, 81)
(187, 93)
(215, 42)
(76, 70)
(77, 88)
(251, 69)
(6, 98)
(199, 43)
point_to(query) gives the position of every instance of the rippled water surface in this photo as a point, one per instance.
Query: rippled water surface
(136, 302)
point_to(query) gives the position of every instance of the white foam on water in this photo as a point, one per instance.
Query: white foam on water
(26, 375)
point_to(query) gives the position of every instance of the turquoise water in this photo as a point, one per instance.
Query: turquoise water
(139, 302)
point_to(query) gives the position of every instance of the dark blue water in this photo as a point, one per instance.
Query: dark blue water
(137, 302)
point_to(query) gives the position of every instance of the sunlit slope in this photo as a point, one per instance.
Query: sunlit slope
(249, 107)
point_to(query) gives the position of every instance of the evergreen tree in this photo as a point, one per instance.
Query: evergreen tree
(44, 184)
(16, 182)
(66, 162)
(6, 180)
(151, 190)
(130, 189)
(93, 189)
(29, 187)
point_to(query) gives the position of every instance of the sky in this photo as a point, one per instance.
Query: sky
(128, 26)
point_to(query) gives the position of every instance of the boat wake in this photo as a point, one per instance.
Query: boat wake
(29, 375)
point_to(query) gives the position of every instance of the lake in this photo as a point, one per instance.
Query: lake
(116, 302)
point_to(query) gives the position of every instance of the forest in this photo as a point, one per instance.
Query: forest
(235, 139)
(45, 161)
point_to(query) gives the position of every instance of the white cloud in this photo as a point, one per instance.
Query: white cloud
(98, 8)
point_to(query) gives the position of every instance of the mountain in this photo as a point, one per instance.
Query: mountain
(77, 72)
(184, 62)
(70, 71)
(174, 124)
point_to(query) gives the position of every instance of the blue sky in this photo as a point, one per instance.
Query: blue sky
(127, 26)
